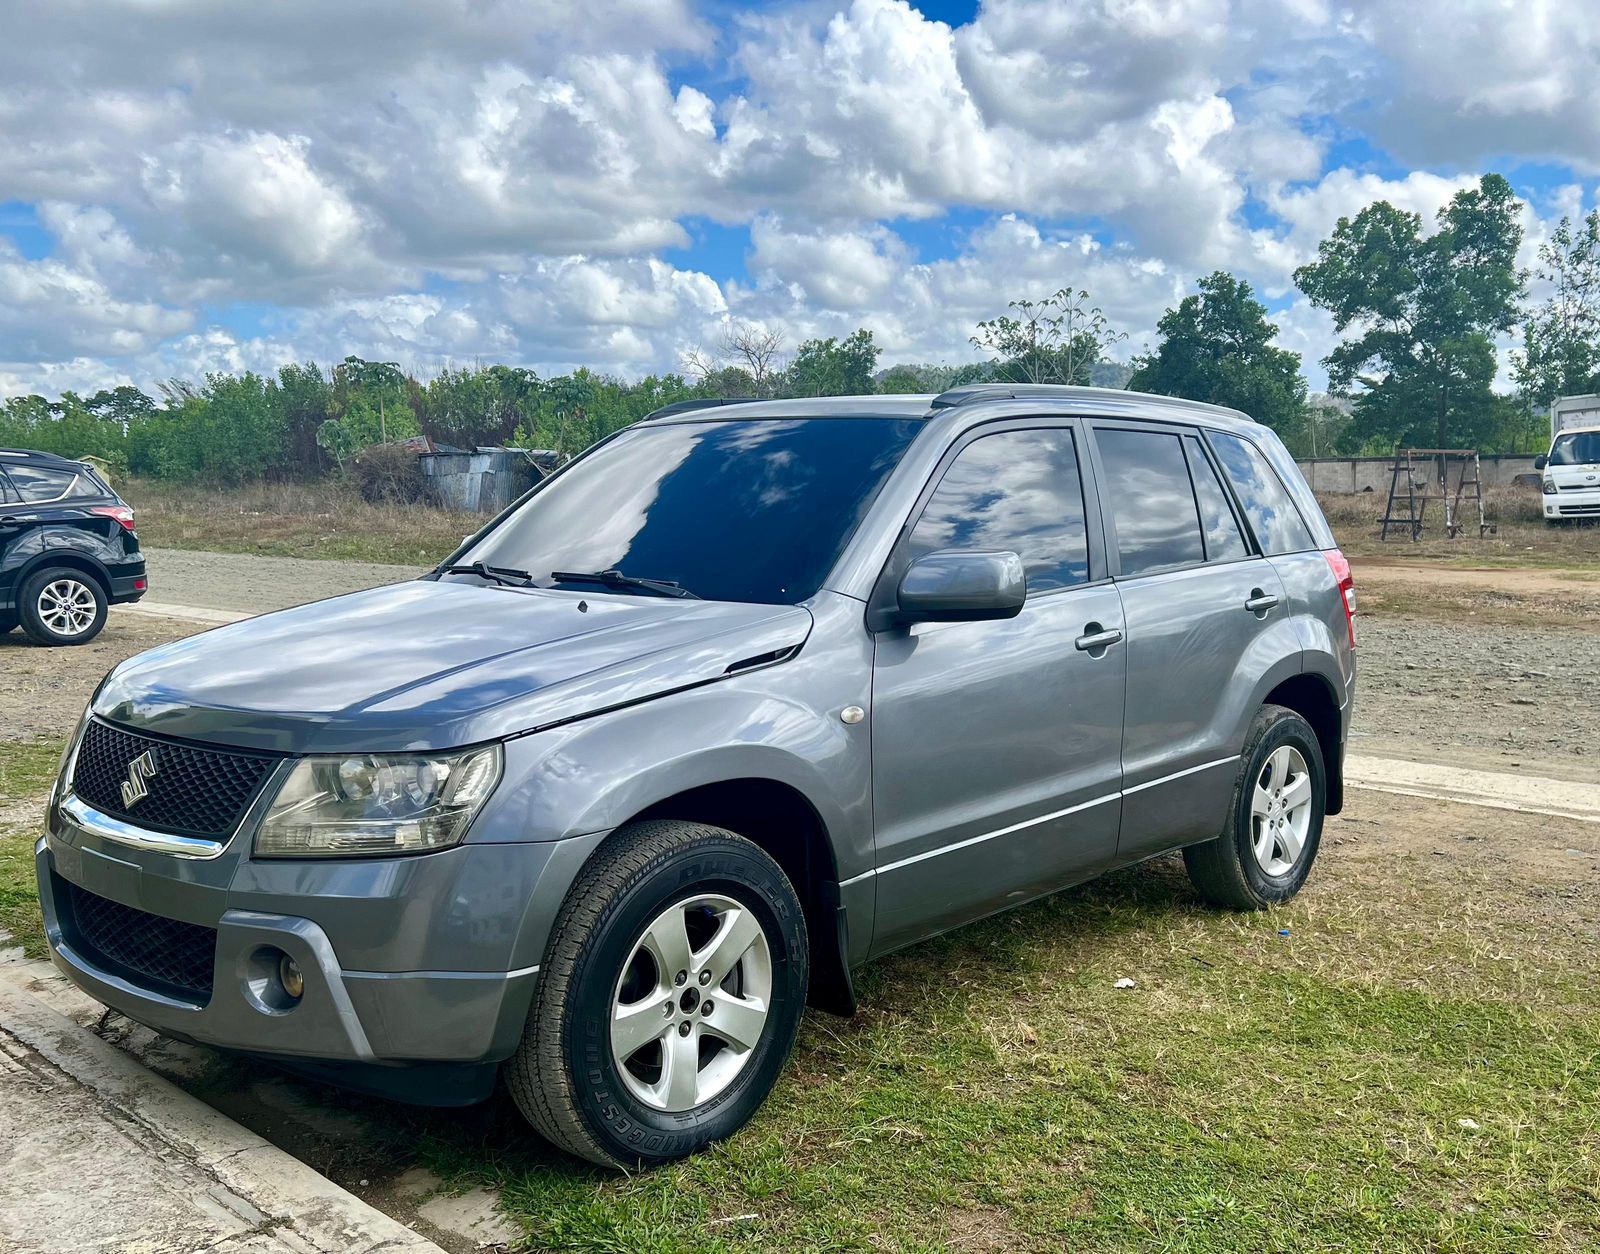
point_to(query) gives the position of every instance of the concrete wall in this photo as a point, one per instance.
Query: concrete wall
(483, 483)
(1346, 475)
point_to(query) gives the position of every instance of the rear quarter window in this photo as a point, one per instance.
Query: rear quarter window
(1267, 503)
(40, 484)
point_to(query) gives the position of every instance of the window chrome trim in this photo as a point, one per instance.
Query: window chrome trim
(76, 475)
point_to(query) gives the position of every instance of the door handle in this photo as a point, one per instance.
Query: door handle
(1095, 638)
(1260, 602)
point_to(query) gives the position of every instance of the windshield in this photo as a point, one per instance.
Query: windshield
(1578, 448)
(731, 511)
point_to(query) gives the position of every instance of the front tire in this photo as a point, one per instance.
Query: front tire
(669, 1000)
(61, 605)
(1274, 825)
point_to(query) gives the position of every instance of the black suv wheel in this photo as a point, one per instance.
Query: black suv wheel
(1274, 826)
(62, 605)
(670, 997)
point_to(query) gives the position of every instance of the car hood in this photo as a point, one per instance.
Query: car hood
(1575, 476)
(430, 665)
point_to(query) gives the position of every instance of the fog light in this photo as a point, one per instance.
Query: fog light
(289, 976)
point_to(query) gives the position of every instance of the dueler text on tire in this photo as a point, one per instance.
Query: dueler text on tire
(669, 999)
(1274, 825)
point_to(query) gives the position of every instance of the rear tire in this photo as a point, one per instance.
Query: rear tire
(1274, 825)
(62, 605)
(621, 1061)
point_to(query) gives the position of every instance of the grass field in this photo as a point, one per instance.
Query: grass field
(25, 773)
(329, 520)
(1344, 1074)
(319, 520)
(1404, 1058)
(1521, 536)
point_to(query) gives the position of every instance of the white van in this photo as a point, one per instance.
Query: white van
(1572, 467)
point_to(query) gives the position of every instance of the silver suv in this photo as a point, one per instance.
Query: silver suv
(745, 696)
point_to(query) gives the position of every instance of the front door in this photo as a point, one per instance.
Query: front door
(996, 744)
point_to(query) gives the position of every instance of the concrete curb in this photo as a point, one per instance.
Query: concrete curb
(1527, 794)
(187, 613)
(294, 1199)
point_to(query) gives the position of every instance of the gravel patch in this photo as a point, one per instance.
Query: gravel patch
(1469, 693)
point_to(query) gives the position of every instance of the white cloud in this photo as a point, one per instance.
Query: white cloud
(432, 180)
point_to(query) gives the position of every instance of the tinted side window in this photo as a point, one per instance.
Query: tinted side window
(1016, 490)
(1224, 540)
(41, 483)
(1272, 513)
(7, 496)
(1147, 483)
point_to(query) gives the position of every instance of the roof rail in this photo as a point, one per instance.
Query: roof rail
(704, 402)
(973, 392)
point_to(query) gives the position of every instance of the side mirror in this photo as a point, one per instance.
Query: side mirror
(1540, 462)
(962, 586)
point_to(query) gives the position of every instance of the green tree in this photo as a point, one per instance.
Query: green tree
(1217, 347)
(907, 379)
(484, 405)
(1561, 341)
(832, 367)
(371, 403)
(304, 399)
(1054, 340)
(1422, 313)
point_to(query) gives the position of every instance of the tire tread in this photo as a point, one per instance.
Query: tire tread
(1214, 867)
(539, 1076)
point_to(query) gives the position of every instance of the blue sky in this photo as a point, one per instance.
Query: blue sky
(192, 186)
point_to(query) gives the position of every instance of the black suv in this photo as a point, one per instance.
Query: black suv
(67, 548)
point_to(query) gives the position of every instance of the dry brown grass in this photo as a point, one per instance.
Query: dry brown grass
(324, 520)
(1521, 538)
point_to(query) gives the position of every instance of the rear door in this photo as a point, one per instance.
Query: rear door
(21, 537)
(996, 745)
(1206, 620)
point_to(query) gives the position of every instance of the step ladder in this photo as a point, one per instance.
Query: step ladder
(1421, 475)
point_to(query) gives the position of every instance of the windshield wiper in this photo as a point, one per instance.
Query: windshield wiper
(616, 579)
(507, 575)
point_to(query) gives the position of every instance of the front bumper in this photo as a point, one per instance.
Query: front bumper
(1572, 503)
(406, 962)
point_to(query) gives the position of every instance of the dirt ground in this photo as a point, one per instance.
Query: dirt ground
(1387, 863)
(240, 581)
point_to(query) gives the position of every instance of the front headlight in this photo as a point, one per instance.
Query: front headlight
(366, 803)
(1549, 485)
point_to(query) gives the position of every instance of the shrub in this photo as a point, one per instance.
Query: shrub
(389, 474)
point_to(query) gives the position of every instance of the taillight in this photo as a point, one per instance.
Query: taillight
(1340, 566)
(121, 513)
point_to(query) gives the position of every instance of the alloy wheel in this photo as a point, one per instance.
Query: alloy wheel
(692, 1002)
(67, 607)
(1280, 810)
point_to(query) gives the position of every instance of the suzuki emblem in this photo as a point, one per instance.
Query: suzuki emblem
(134, 788)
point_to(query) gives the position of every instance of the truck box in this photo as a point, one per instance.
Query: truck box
(1574, 411)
